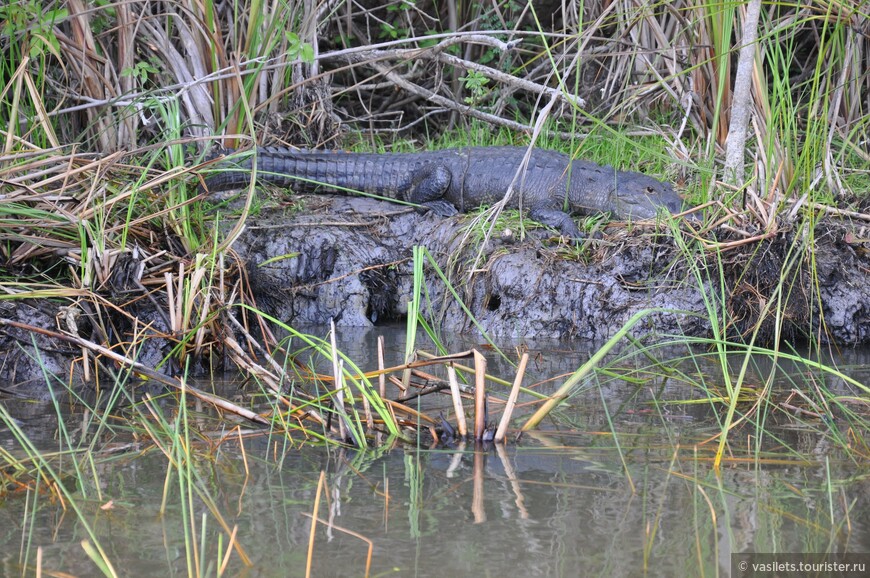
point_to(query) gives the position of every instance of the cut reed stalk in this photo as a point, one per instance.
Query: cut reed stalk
(479, 395)
(512, 400)
(337, 375)
(455, 394)
(382, 377)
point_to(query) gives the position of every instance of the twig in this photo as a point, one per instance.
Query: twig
(138, 368)
(421, 392)
(282, 375)
(410, 411)
(349, 274)
(835, 211)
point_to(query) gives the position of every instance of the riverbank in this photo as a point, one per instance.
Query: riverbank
(349, 259)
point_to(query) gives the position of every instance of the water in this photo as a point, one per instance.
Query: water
(566, 500)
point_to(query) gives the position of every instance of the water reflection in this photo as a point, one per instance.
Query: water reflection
(571, 499)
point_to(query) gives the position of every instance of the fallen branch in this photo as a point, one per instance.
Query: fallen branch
(375, 58)
(138, 368)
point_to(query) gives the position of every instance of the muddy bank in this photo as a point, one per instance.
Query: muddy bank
(37, 362)
(349, 259)
(32, 364)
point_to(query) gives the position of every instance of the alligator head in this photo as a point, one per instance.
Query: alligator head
(638, 196)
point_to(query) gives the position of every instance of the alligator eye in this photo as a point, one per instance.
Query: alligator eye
(650, 190)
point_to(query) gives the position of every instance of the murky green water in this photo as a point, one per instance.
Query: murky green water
(569, 500)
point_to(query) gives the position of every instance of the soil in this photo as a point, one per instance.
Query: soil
(350, 259)
(353, 264)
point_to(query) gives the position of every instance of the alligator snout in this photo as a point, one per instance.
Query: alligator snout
(675, 204)
(642, 197)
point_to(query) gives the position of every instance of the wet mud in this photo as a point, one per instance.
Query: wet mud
(350, 259)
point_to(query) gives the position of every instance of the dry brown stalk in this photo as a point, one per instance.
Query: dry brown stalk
(479, 395)
(512, 399)
(458, 411)
(246, 364)
(338, 372)
(459, 366)
(138, 368)
(400, 407)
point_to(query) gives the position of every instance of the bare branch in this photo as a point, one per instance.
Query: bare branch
(735, 143)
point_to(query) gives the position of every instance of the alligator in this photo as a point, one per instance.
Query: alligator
(461, 179)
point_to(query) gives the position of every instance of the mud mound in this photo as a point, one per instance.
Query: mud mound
(352, 263)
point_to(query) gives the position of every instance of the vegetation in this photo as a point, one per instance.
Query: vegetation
(109, 112)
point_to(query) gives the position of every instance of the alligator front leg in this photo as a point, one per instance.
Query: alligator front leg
(428, 187)
(558, 219)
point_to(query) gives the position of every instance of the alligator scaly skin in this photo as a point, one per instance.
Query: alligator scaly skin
(462, 179)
